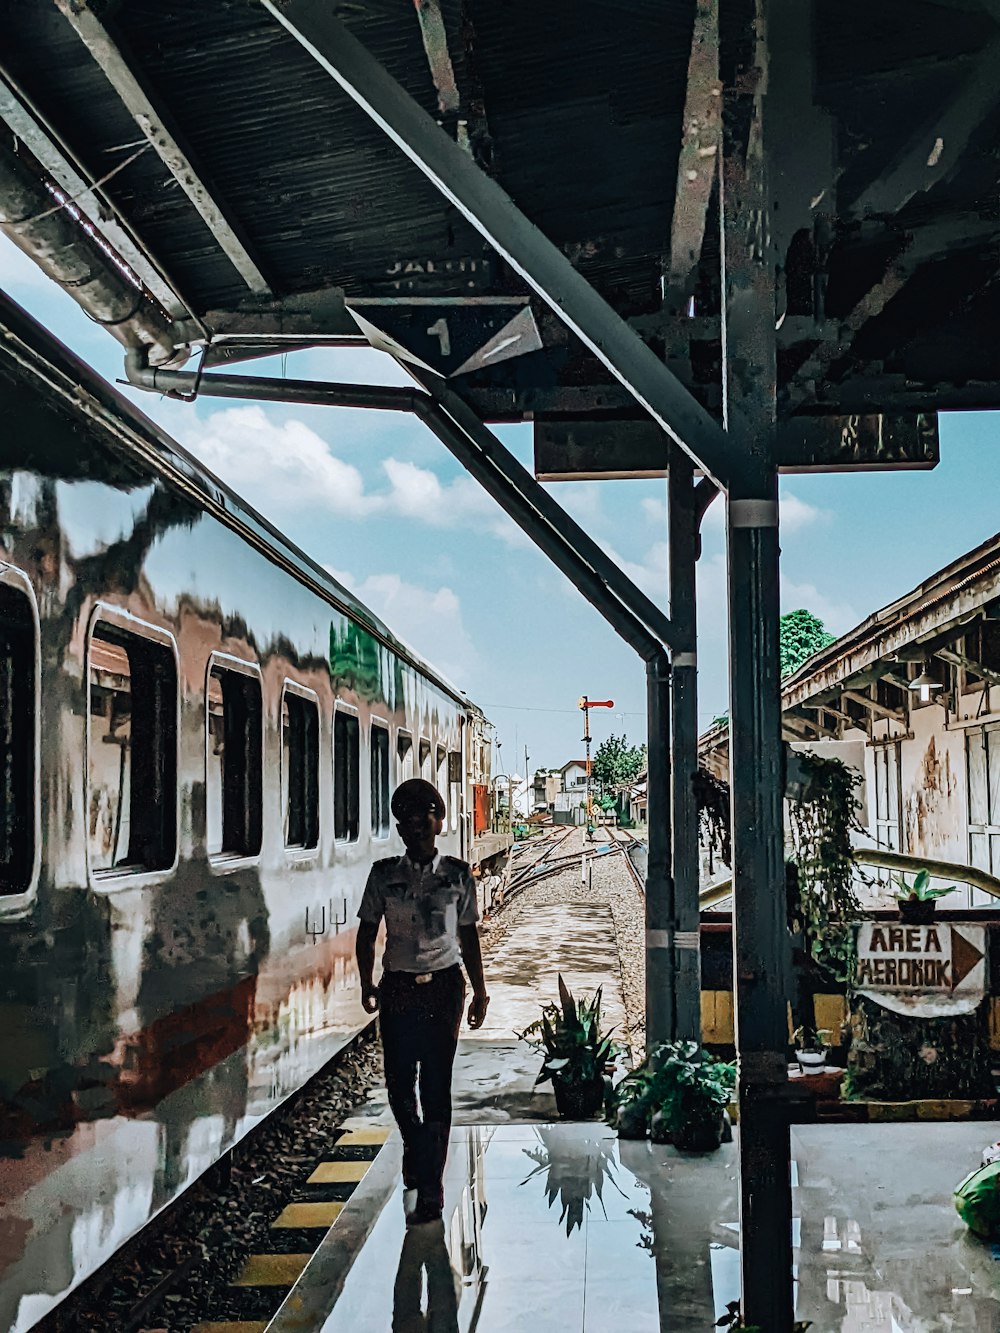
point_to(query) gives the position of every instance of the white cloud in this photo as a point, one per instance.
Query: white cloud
(429, 619)
(418, 493)
(797, 514)
(655, 510)
(277, 466)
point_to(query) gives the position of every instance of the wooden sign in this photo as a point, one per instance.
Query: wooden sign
(924, 971)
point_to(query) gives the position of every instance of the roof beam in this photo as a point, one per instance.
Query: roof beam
(150, 120)
(873, 705)
(90, 199)
(959, 659)
(933, 151)
(802, 725)
(494, 214)
(699, 157)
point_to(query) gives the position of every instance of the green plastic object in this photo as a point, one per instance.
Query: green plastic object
(977, 1201)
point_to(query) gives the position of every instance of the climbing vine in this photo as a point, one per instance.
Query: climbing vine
(822, 811)
(714, 829)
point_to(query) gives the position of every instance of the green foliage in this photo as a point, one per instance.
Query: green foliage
(919, 890)
(821, 816)
(616, 762)
(679, 1080)
(802, 634)
(568, 1034)
(811, 1039)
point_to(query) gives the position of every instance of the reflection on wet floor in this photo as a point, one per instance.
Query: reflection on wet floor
(564, 1227)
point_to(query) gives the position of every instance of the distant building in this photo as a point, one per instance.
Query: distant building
(929, 758)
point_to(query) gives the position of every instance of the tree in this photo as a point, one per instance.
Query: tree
(616, 762)
(802, 634)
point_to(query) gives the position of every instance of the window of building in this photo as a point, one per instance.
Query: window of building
(982, 750)
(300, 766)
(425, 760)
(18, 726)
(233, 761)
(380, 780)
(888, 812)
(132, 751)
(346, 776)
(981, 646)
(404, 756)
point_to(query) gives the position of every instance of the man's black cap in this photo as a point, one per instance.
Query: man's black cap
(416, 794)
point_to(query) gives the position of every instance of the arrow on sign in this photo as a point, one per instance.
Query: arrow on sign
(964, 957)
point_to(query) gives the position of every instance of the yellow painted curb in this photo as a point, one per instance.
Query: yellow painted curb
(363, 1138)
(338, 1173)
(271, 1270)
(308, 1215)
(240, 1326)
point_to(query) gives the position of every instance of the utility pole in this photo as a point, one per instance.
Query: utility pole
(587, 704)
(527, 785)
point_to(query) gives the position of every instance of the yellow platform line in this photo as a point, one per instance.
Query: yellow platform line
(338, 1173)
(308, 1215)
(363, 1138)
(240, 1326)
(271, 1270)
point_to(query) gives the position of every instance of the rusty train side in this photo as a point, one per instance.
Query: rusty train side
(199, 731)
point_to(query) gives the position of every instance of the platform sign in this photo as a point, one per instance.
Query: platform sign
(923, 971)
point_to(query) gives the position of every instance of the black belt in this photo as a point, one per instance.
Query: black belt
(422, 978)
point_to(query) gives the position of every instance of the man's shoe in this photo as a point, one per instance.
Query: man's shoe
(422, 1214)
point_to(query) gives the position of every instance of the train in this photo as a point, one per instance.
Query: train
(200, 730)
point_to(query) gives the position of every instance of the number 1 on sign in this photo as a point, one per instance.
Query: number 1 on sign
(439, 330)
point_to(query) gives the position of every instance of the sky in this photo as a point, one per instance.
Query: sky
(378, 500)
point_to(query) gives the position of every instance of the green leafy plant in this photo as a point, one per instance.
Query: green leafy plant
(680, 1082)
(919, 890)
(822, 811)
(569, 1037)
(811, 1039)
(801, 635)
(616, 762)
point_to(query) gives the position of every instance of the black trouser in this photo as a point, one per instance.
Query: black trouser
(420, 1024)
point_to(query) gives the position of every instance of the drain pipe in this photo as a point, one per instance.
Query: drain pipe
(570, 549)
(48, 232)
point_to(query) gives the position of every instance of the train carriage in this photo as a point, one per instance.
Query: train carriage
(199, 733)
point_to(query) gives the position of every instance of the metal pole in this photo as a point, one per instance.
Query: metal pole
(586, 740)
(683, 547)
(755, 747)
(661, 1014)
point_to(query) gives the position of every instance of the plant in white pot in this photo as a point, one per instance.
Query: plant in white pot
(811, 1045)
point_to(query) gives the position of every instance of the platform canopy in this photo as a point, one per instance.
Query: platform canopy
(216, 149)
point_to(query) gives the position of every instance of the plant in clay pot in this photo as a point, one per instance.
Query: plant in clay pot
(811, 1045)
(916, 899)
(575, 1053)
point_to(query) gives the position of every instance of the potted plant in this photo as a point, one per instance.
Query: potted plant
(733, 1320)
(679, 1093)
(916, 900)
(810, 1048)
(575, 1053)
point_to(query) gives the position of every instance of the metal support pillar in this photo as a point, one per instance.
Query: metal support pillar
(683, 550)
(661, 1011)
(755, 747)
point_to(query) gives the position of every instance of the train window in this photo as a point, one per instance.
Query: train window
(380, 780)
(454, 785)
(346, 781)
(132, 752)
(441, 775)
(404, 756)
(425, 759)
(234, 721)
(18, 714)
(299, 767)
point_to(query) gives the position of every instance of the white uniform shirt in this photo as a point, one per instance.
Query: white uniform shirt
(423, 908)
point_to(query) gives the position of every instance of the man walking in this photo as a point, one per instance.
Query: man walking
(428, 902)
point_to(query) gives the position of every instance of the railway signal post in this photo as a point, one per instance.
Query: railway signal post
(586, 704)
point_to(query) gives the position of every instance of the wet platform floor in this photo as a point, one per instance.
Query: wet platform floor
(564, 1227)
